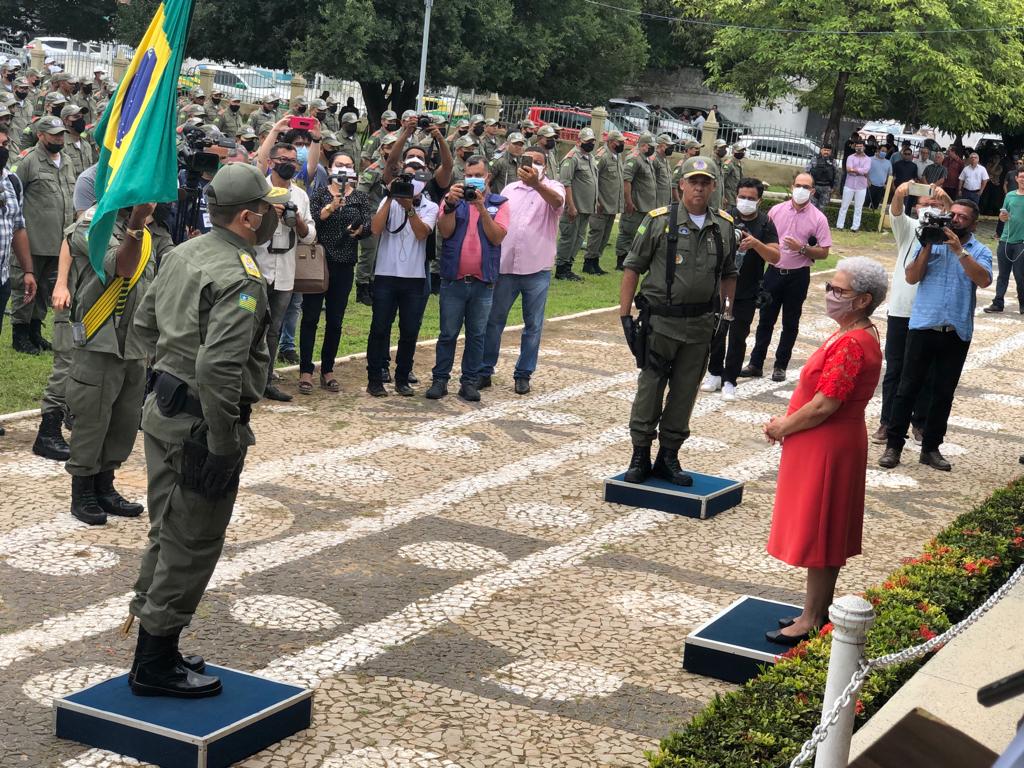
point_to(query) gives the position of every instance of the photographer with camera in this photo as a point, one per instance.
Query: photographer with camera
(403, 223)
(948, 274)
(342, 214)
(276, 258)
(757, 244)
(928, 211)
(473, 224)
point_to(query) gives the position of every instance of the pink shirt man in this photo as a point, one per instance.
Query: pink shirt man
(471, 256)
(800, 224)
(861, 164)
(529, 246)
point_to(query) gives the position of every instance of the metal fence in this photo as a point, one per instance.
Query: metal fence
(771, 144)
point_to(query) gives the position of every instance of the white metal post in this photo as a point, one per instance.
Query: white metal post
(851, 617)
(423, 53)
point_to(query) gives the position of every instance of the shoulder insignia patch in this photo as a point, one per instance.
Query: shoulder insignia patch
(249, 264)
(247, 302)
(658, 212)
(726, 215)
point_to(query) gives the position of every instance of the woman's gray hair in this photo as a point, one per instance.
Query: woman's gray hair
(866, 276)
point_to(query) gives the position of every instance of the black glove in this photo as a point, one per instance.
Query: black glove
(629, 328)
(219, 474)
(193, 454)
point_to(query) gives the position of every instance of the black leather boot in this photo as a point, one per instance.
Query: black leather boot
(159, 670)
(364, 294)
(110, 501)
(640, 465)
(35, 333)
(593, 267)
(195, 663)
(619, 263)
(666, 467)
(21, 339)
(50, 440)
(83, 501)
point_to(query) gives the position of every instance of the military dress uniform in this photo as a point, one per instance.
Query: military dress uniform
(108, 368)
(639, 171)
(610, 203)
(681, 324)
(205, 319)
(578, 173)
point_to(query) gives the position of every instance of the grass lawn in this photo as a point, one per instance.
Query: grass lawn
(22, 377)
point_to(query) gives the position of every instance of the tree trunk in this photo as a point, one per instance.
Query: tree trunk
(375, 100)
(403, 96)
(835, 115)
(398, 95)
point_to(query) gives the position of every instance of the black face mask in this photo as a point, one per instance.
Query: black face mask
(549, 143)
(720, 152)
(527, 134)
(53, 149)
(9, 76)
(249, 145)
(648, 151)
(87, 90)
(350, 129)
(668, 152)
(216, 102)
(285, 170)
(55, 111)
(321, 115)
(300, 110)
(270, 107)
(4, 154)
(234, 107)
(393, 126)
(21, 95)
(332, 108)
(79, 124)
(587, 146)
(478, 130)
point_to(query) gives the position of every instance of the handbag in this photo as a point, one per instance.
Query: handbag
(311, 274)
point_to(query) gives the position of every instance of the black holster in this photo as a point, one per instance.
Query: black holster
(641, 331)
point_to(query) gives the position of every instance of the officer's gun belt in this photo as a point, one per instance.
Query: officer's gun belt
(173, 397)
(695, 309)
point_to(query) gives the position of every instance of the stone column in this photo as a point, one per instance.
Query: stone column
(298, 88)
(597, 117)
(707, 139)
(492, 107)
(119, 67)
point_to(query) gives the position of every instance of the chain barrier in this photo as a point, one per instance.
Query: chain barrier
(866, 667)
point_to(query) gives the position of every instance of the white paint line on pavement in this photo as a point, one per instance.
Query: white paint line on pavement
(369, 641)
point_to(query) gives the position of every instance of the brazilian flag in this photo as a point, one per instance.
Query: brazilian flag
(138, 143)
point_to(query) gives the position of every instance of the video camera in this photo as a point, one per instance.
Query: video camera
(931, 231)
(401, 188)
(202, 153)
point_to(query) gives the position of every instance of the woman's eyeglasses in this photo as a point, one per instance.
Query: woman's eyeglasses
(838, 292)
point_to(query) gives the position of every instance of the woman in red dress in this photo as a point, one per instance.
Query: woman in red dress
(819, 499)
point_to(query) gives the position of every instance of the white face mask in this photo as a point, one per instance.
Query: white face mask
(801, 195)
(746, 207)
(922, 212)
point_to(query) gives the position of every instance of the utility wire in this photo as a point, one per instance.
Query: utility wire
(845, 32)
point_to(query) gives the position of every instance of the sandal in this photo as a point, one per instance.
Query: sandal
(331, 385)
(306, 386)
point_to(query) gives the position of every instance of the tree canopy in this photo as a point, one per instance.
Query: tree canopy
(927, 68)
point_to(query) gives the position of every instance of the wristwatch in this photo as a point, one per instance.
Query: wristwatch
(136, 233)
(803, 250)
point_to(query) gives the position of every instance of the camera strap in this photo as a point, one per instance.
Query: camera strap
(291, 243)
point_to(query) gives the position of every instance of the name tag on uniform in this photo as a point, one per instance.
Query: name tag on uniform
(249, 264)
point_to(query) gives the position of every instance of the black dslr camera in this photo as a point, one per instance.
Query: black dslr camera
(931, 229)
(290, 215)
(401, 188)
(423, 122)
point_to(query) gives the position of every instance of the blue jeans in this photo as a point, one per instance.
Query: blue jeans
(461, 302)
(401, 296)
(534, 289)
(974, 195)
(291, 320)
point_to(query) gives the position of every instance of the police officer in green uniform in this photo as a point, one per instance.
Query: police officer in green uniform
(21, 112)
(489, 141)
(205, 319)
(503, 169)
(348, 136)
(733, 171)
(547, 137)
(230, 121)
(677, 317)
(610, 201)
(662, 170)
(371, 182)
(388, 124)
(578, 175)
(267, 113)
(48, 188)
(640, 190)
(330, 118)
(465, 148)
(77, 150)
(721, 151)
(108, 360)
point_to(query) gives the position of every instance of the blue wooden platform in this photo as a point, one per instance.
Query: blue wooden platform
(708, 495)
(251, 714)
(731, 645)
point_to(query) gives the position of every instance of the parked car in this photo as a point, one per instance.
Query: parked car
(571, 120)
(74, 56)
(730, 130)
(789, 150)
(640, 116)
(237, 83)
(442, 105)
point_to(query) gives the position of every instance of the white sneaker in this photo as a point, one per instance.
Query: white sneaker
(728, 392)
(711, 383)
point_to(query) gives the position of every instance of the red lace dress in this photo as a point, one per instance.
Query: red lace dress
(819, 499)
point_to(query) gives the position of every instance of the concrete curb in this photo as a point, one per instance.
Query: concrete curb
(35, 412)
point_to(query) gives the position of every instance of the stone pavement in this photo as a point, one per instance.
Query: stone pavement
(446, 573)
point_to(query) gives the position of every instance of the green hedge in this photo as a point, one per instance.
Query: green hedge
(868, 219)
(766, 721)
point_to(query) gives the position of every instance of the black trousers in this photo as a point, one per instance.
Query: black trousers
(401, 296)
(339, 286)
(724, 363)
(788, 289)
(927, 351)
(875, 195)
(895, 352)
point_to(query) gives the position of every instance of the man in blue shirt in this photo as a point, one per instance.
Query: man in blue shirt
(941, 326)
(880, 170)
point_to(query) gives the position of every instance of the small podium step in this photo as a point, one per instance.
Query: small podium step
(708, 495)
(731, 645)
(251, 714)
